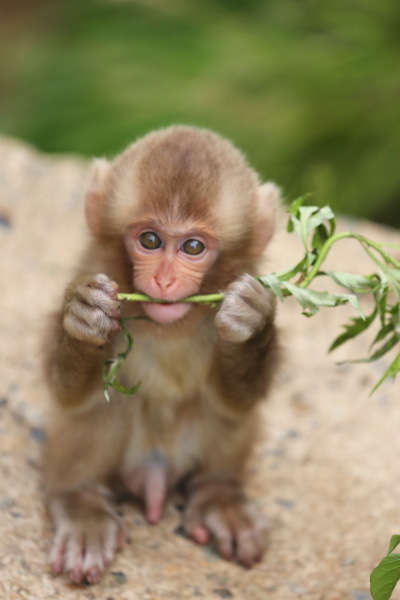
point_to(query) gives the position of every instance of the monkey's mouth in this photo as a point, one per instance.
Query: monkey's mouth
(166, 313)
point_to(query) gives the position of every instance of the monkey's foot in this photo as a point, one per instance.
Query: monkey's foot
(85, 540)
(220, 511)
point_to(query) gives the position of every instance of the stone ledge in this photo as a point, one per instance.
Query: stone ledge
(325, 473)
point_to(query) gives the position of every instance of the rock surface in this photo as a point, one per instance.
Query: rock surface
(326, 472)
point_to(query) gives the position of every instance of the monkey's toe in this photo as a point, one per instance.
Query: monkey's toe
(237, 531)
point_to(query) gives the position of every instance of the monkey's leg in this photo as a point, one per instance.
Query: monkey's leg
(82, 453)
(218, 507)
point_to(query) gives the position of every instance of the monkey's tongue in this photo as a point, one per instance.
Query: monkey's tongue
(165, 313)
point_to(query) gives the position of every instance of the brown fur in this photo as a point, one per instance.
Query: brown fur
(201, 378)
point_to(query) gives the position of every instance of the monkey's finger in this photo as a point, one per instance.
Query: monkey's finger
(194, 526)
(56, 555)
(93, 564)
(258, 297)
(110, 542)
(219, 528)
(251, 535)
(237, 321)
(94, 317)
(198, 533)
(248, 547)
(80, 330)
(73, 558)
(120, 539)
(88, 327)
(99, 298)
(253, 293)
(102, 281)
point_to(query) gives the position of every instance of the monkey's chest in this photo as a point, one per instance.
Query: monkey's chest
(169, 371)
(169, 407)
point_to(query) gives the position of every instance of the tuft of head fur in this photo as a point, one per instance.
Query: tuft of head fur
(185, 175)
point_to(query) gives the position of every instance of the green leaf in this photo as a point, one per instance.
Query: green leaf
(380, 296)
(356, 326)
(303, 225)
(304, 219)
(353, 300)
(322, 214)
(113, 365)
(394, 542)
(384, 577)
(118, 387)
(299, 268)
(385, 348)
(294, 208)
(382, 333)
(274, 283)
(354, 282)
(391, 371)
(311, 300)
(295, 205)
(320, 236)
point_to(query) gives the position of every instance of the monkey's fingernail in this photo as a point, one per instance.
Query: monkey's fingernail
(93, 575)
(56, 568)
(75, 575)
(199, 534)
(120, 540)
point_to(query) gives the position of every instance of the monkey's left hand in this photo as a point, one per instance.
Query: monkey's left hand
(245, 311)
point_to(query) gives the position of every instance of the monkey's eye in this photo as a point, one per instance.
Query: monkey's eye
(193, 247)
(150, 240)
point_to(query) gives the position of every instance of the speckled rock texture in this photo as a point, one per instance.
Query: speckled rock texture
(326, 472)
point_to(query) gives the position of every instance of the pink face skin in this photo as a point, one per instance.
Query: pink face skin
(169, 263)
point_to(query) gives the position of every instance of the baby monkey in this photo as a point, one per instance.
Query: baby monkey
(179, 212)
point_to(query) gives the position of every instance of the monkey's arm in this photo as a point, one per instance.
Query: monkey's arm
(246, 348)
(76, 345)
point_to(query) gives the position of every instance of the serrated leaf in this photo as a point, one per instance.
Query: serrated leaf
(300, 267)
(118, 387)
(394, 542)
(353, 300)
(303, 225)
(356, 326)
(382, 333)
(274, 283)
(385, 348)
(380, 296)
(323, 214)
(295, 205)
(311, 300)
(391, 371)
(353, 281)
(113, 365)
(320, 236)
(385, 577)
(294, 208)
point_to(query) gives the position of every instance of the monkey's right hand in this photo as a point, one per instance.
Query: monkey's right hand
(91, 312)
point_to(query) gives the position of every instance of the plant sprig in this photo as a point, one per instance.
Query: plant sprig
(386, 575)
(316, 229)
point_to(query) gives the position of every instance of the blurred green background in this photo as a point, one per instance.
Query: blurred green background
(309, 89)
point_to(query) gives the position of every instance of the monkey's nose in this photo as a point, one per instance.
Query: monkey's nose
(164, 283)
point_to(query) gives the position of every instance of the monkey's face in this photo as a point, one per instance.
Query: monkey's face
(169, 263)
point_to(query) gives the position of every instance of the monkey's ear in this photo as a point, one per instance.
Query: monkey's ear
(95, 195)
(269, 198)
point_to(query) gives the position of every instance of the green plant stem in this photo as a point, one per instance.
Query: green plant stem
(198, 299)
(340, 236)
